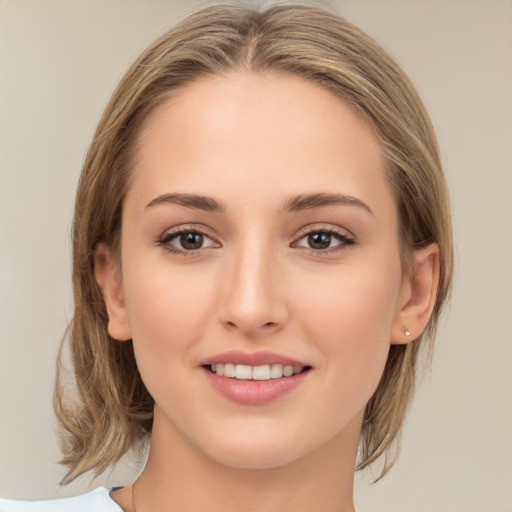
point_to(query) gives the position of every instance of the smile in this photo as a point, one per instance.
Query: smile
(254, 378)
(261, 372)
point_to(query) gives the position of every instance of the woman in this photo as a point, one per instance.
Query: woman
(262, 246)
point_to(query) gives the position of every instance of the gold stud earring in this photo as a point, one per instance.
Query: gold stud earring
(406, 331)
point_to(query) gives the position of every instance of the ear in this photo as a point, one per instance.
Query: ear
(417, 296)
(108, 276)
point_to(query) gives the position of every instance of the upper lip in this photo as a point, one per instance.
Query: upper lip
(251, 359)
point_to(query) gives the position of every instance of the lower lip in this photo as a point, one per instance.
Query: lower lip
(254, 392)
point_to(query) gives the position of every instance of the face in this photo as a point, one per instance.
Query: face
(259, 234)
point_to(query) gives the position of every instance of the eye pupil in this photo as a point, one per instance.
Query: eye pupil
(319, 240)
(191, 240)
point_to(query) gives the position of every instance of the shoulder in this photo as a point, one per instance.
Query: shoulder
(98, 500)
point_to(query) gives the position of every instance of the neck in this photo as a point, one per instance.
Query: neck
(178, 477)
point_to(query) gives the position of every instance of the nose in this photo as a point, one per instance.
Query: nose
(253, 302)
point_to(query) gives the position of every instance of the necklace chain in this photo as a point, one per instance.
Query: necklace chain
(133, 496)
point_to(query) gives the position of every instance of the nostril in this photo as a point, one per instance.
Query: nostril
(250, 325)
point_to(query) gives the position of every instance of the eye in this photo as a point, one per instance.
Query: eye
(323, 240)
(183, 241)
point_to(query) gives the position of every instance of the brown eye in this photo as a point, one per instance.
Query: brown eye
(185, 241)
(319, 240)
(191, 241)
(324, 240)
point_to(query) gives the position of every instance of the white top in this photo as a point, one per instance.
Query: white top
(98, 500)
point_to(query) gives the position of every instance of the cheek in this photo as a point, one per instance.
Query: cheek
(168, 314)
(350, 317)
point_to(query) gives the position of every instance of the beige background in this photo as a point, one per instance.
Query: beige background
(59, 61)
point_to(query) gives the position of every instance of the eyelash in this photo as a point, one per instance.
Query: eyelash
(167, 238)
(344, 239)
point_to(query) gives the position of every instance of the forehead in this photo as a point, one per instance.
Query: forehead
(267, 133)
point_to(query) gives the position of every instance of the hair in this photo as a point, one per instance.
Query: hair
(111, 410)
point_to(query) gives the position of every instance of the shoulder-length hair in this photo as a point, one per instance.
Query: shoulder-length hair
(111, 410)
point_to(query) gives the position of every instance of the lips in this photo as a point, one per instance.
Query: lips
(254, 378)
(252, 359)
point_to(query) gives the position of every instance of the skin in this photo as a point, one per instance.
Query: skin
(251, 142)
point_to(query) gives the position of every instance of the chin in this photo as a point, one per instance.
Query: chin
(255, 459)
(257, 451)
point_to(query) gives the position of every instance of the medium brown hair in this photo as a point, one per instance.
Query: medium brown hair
(111, 410)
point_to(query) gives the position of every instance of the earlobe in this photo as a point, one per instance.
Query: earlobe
(418, 296)
(108, 276)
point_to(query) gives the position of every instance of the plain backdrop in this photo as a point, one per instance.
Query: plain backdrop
(59, 62)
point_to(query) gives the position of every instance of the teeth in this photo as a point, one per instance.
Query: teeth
(288, 371)
(262, 372)
(276, 371)
(229, 370)
(243, 371)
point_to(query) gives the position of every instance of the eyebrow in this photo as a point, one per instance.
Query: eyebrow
(320, 200)
(204, 203)
(293, 204)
